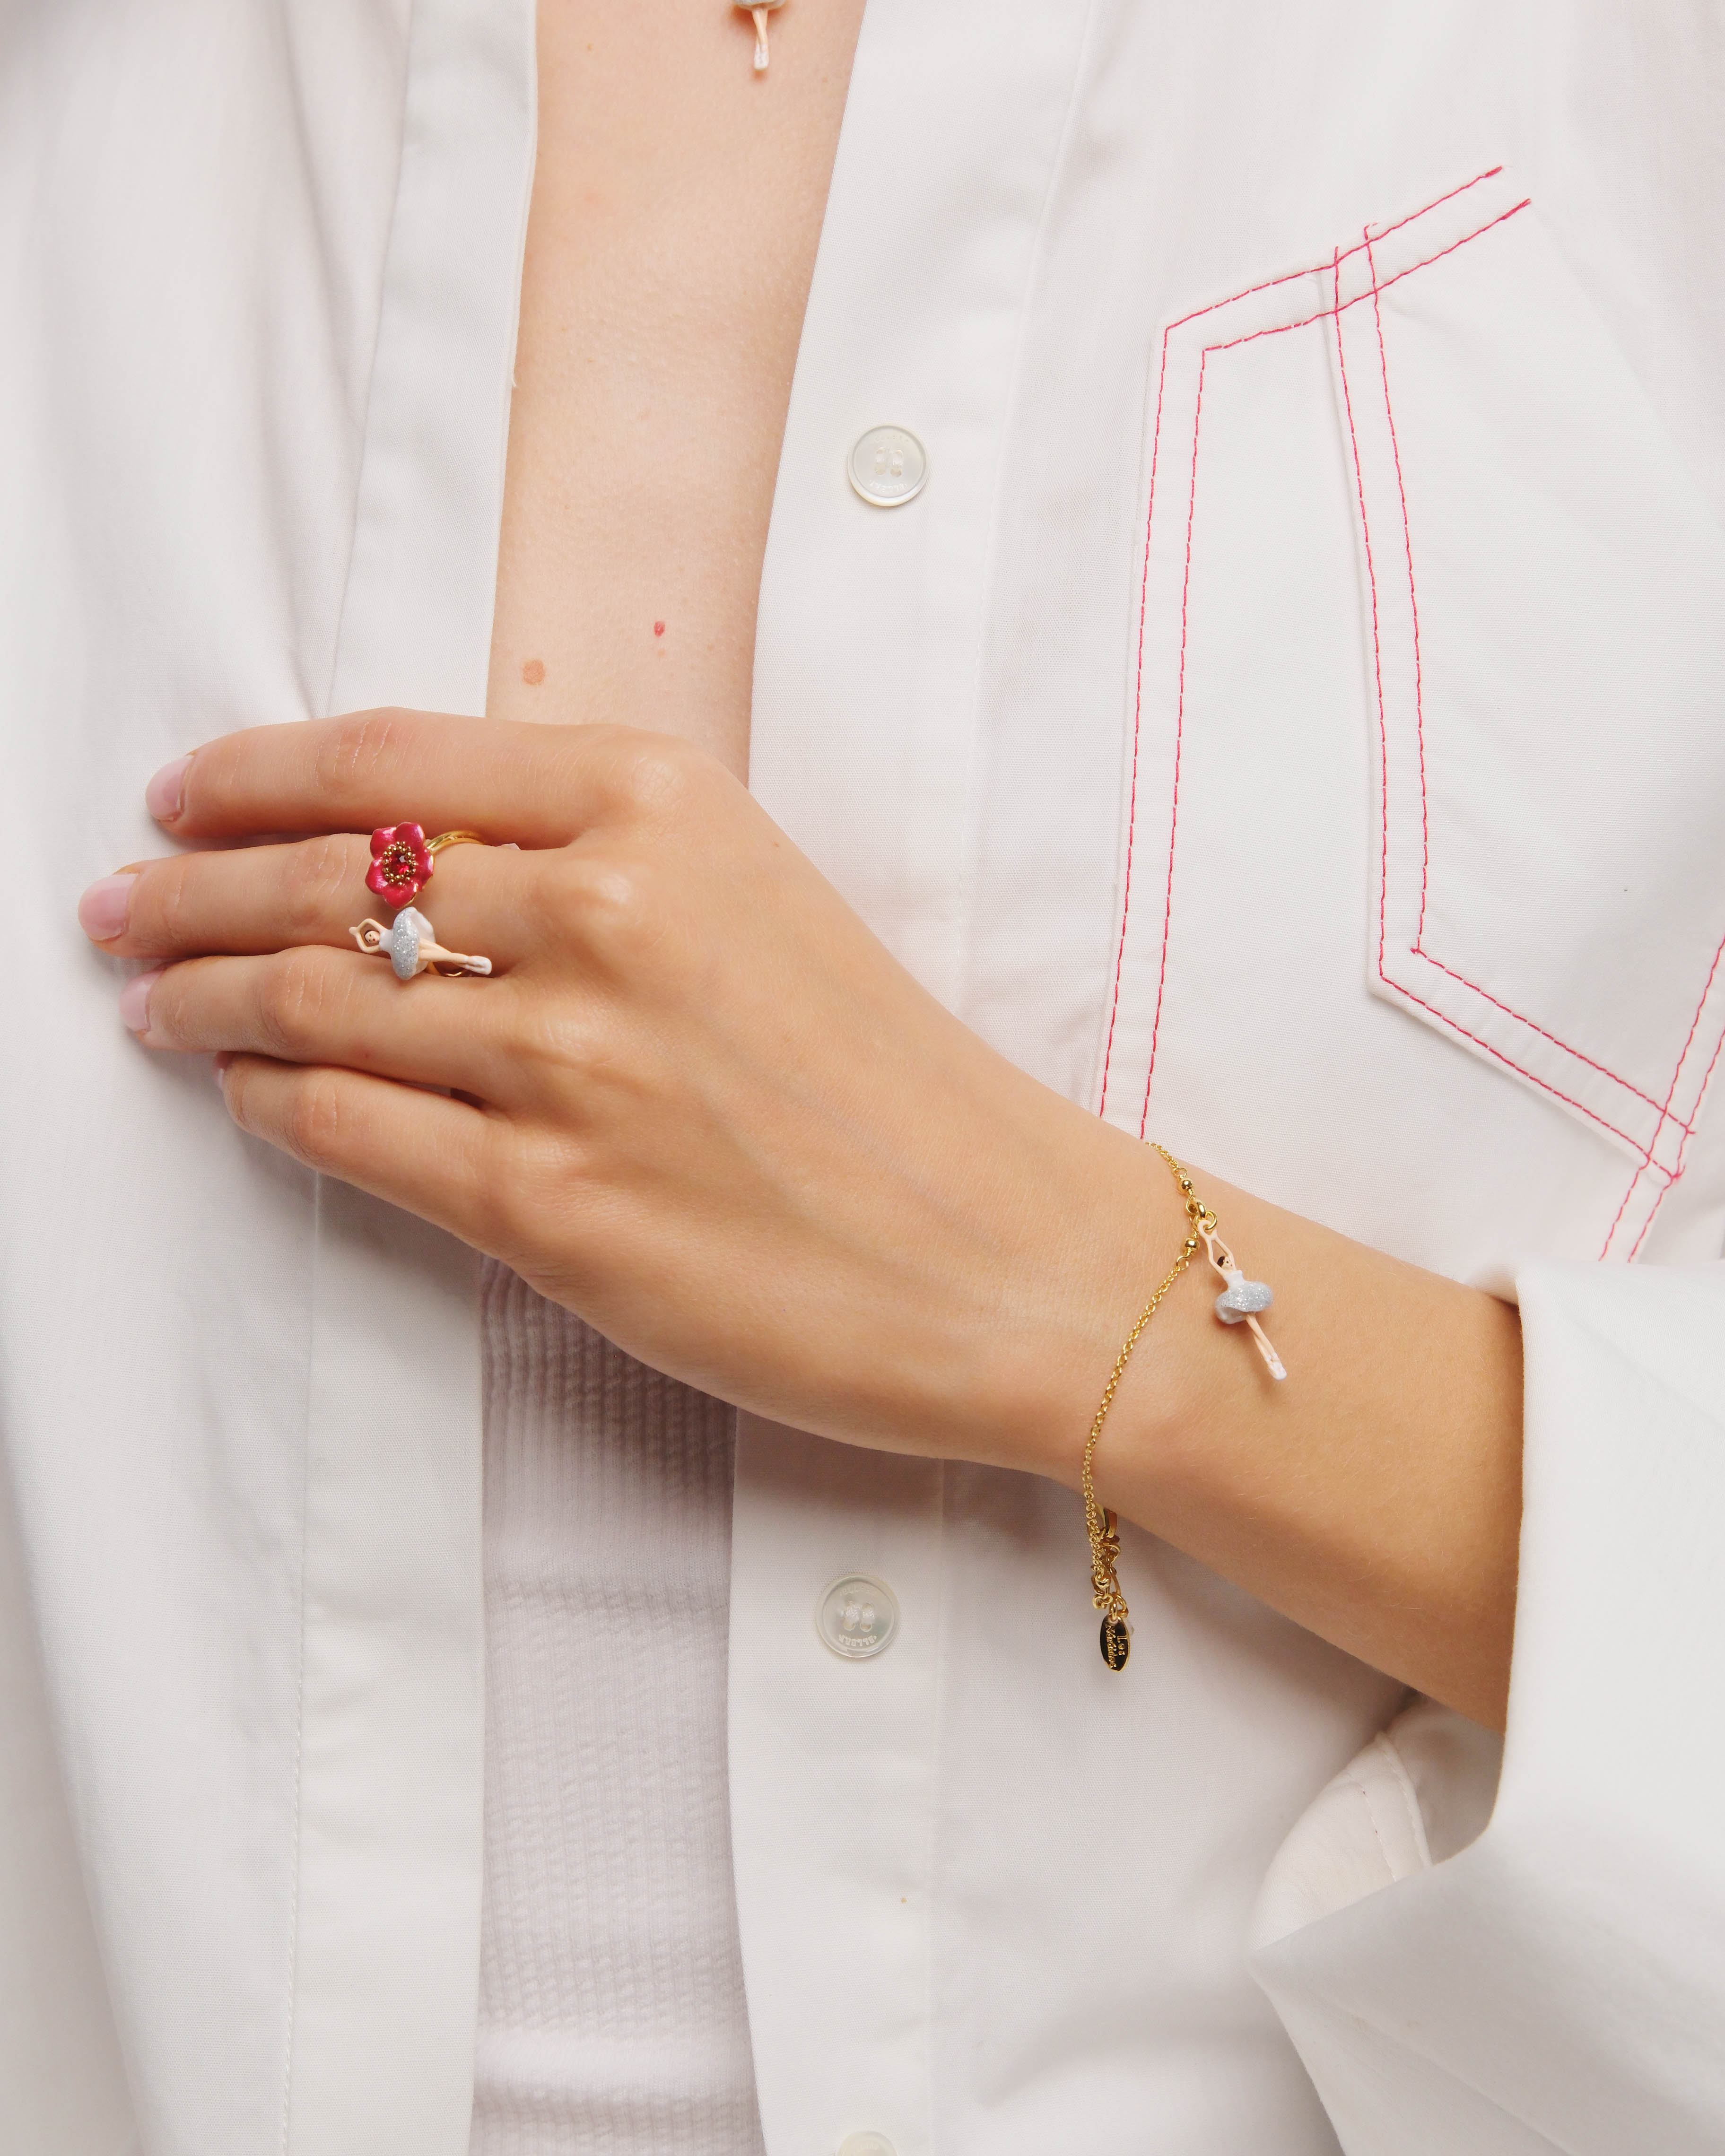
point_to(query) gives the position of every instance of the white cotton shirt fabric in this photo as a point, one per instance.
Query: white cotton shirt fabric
(1287, 719)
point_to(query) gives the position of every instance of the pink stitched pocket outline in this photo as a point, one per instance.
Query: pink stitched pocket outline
(1651, 1122)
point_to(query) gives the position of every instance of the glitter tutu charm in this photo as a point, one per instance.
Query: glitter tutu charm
(411, 946)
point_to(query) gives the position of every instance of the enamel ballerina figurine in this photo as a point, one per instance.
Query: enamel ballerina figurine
(1241, 1299)
(411, 947)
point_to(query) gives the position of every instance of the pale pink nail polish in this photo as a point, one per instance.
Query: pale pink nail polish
(165, 795)
(104, 908)
(135, 1000)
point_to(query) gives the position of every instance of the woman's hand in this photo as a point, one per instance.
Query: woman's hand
(699, 1103)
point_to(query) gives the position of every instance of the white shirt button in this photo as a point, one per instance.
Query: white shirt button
(888, 466)
(857, 1617)
(866, 2144)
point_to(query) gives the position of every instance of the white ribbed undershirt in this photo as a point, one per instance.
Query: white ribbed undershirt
(612, 2020)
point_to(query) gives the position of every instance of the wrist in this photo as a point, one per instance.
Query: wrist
(1112, 1233)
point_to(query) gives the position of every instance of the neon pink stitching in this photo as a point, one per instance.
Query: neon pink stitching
(1337, 257)
(1662, 1108)
(1532, 1026)
(1334, 311)
(1671, 1179)
(1419, 722)
(1688, 1128)
(1384, 743)
(1623, 1207)
(1665, 1114)
(1281, 329)
(1132, 831)
(1673, 1175)
(1659, 1197)
(1167, 903)
(1323, 314)
(1290, 277)
(1413, 592)
(1293, 276)
(1126, 896)
(1581, 1107)
(1359, 488)
(1131, 806)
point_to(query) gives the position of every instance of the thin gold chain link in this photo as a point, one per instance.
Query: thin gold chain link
(1104, 1528)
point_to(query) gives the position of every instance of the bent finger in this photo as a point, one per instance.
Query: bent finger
(439, 1158)
(314, 1005)
(506, 779)
(256, 899)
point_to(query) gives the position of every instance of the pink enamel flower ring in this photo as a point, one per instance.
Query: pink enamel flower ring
(401, 863)
(403, 859)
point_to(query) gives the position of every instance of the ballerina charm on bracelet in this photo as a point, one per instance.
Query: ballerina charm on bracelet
(1238, 1304)
(411, 946)
(1241, 1299)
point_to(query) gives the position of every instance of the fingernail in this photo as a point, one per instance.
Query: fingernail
(104, 908)
(164, 797)
(135, 1000)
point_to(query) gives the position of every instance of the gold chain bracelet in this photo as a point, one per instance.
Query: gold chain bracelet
(1238, 1304)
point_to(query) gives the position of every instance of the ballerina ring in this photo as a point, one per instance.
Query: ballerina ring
(411, 946)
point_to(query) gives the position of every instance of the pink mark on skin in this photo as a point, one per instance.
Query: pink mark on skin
(533, 673)
(658, 629)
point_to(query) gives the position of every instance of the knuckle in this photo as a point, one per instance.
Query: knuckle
(318, 871)
(169, 1020)
(163, 911)
(293, 1000)
(626, 925)
(661, 775)
(357, 751)
(236, 1079)
(312, 1122)
(513, 1021)
(571, 1040)
(504, 1203)
(618, 897)
(518, 1190)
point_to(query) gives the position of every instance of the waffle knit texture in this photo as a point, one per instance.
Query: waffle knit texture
(612, 2018)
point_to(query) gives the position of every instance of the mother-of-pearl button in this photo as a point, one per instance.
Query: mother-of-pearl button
(888, 466)
(866, 2144)
(857, 1616)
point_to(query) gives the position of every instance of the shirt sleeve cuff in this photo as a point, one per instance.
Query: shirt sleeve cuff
(1538, 1962)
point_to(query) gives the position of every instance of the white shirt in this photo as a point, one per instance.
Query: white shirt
(1160, 789)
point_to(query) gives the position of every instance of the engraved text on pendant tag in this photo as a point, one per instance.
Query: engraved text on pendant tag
(1116, 1642)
